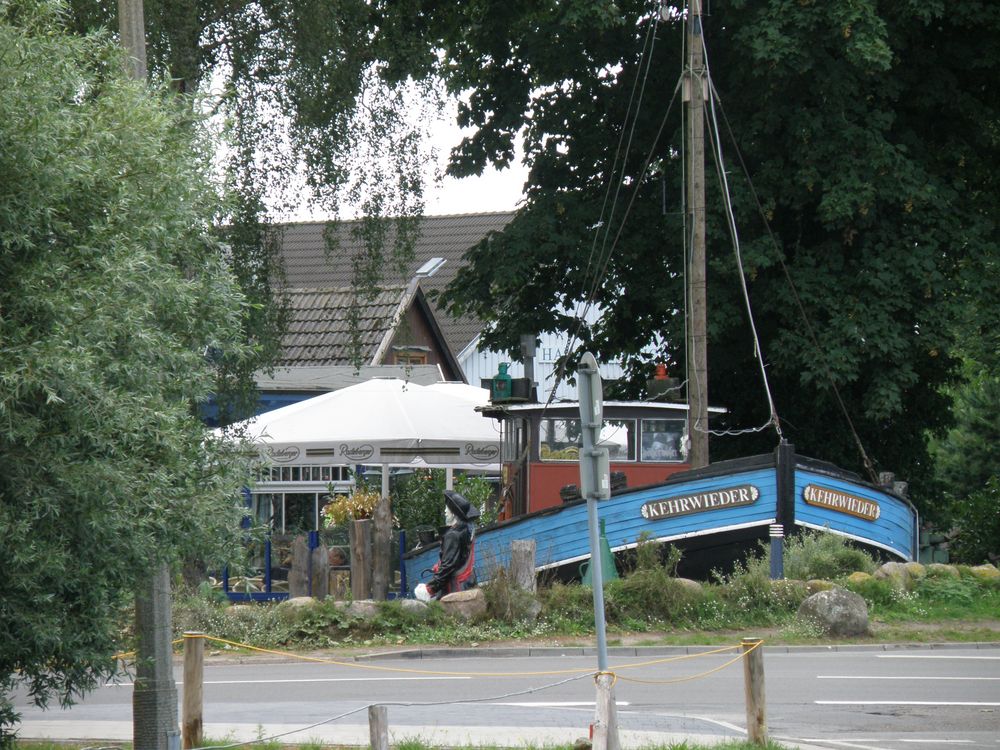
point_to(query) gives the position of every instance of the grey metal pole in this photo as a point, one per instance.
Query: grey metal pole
(598, 580)
(595, 484)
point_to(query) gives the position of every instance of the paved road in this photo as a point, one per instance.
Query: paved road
(899, 699)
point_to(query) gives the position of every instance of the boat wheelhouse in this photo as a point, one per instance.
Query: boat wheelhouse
(646, 440)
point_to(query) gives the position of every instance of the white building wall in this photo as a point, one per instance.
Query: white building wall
(479, 364)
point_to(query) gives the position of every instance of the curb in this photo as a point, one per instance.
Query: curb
(529, 651)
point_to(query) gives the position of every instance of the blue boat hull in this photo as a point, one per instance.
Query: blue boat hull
(713, 514)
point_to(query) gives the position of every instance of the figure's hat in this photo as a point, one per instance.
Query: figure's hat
(462, 508)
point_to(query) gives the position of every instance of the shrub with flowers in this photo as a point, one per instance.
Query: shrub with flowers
(357, 506)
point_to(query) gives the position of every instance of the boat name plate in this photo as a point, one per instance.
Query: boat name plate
(842, 502)
(729, 497)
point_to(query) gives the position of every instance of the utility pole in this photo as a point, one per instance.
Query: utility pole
(132, 29)
(695, 89)
(154, 697)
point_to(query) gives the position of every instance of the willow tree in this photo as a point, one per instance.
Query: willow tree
(112, 290)
(313, 114)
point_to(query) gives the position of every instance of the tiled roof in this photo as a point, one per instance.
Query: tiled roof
(308, 264)
(326, 378)
(319, 332)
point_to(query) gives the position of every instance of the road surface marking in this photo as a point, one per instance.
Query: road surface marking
(941, 742)
(933, 656)
(905, 703)
(555, 704)
(304, 680)
(878, 677)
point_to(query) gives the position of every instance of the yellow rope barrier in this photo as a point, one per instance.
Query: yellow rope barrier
(698, 676)
(125, 654)
(439, 673)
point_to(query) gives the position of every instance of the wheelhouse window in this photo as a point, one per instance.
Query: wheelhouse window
(561, 439)
(661, 439)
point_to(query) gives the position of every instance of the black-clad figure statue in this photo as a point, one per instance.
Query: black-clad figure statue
(455, 569)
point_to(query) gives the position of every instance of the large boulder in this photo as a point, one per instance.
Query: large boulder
(985, 572)
(917, 571)
(815, 585)
(859, 576)
(467, 605)
(897, 573)
(942, 570)
(692, 587)
(361, 609)
(837, 612)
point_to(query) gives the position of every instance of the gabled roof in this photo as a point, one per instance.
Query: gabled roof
(308, 264)
(319, 329)
(319, 326)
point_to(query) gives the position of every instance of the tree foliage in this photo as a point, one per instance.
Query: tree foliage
(869, 131)
(316, 115)
(112, 289)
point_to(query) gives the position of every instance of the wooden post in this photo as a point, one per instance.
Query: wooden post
(381, 543)
(192, 721)
(522, 564)
(378, 727)
(606, 719)
(298, 575)
(753, 681)
(319, 568)
(695, 92)
(361, 571)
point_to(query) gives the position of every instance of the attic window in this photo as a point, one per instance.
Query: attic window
(430, 267)
(410, 355)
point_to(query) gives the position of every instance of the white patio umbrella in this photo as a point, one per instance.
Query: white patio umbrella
(387, 422)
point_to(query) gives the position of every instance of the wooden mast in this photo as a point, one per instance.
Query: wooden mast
(695, 94)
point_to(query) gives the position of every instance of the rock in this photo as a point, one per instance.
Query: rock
(532, 609)
(296, 602)
(837, 612)
(859, 576)
(691, 587)
(896, 573)
(412, 605)
(815, 585)
(916, 570)
(582, 743)
(362, 609)
(466, 605)
(985, 572)
(940, 570)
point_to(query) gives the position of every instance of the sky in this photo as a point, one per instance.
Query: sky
(494, 191)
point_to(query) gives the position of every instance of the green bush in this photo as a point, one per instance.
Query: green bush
(505, 601)
(822, 555)
(749, 588)
(650, 555)
(254, 624)
(878, 593)
(961, 591)
(568, 606)
(647, 596)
